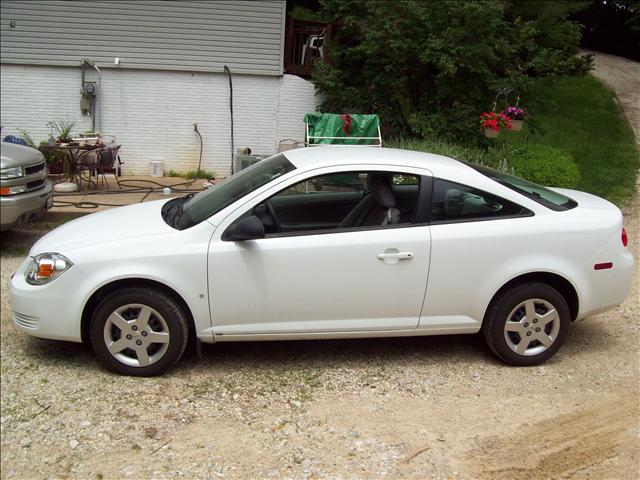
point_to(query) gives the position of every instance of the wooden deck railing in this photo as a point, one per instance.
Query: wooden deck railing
(303, 39)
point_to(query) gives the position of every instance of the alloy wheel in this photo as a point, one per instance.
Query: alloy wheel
(136, 335)
(532, 327)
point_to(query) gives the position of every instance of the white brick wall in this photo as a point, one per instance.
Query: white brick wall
(152, 113)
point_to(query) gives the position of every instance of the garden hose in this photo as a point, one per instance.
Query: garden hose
(157, 186)
(83, 204)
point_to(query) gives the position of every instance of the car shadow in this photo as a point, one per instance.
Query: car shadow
(590, 335)
(18, 241)
(55, 352)
(318, 354)
(341, 353)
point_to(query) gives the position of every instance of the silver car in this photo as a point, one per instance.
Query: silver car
(25, 192)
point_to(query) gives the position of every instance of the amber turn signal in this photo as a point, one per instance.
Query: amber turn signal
(45, 269)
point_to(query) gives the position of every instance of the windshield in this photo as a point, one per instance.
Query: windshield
(221, 195)
(544, 196)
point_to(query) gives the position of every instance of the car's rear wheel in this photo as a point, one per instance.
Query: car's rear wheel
(139, 331)
(527, 323)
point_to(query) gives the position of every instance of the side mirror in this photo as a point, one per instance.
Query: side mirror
(250, 228)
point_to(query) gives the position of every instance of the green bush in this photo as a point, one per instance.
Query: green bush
(191, 174)
(441, 147)
(545, 165)
(429, 68)
(205, 174)
(538, 163)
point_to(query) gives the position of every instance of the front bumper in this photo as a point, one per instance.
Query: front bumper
(20, 208)
(51, 311)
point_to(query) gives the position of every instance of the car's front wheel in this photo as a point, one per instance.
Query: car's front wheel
(139, 331)
(527, 323)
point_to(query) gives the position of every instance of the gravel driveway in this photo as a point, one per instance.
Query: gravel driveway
(431, 407)
(438, 407)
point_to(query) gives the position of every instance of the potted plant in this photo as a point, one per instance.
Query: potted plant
(63, 129)
(54, 160)
(516, 115)
(492, 122)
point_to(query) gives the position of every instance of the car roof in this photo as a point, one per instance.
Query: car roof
(314, 157)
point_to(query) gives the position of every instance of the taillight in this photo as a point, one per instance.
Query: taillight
(625, 239)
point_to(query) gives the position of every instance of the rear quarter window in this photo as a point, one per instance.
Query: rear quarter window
(453, 202)
(544, 196)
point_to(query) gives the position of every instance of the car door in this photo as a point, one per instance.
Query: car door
(478, 233)
(322, 277)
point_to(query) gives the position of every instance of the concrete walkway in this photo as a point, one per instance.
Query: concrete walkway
(133, 189)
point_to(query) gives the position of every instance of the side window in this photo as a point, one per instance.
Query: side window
(343, 182)
(341, 201)
(453, 201)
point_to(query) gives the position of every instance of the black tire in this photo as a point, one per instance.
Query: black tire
(501, 310)
(165, 316)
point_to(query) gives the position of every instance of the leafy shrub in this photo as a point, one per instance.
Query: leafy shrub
(545, 165)
(205, 174)
(539, 163)
(24, 134)
(441, 147)
(429, 68)
(191, 174)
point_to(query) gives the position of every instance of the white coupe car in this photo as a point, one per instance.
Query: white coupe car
(329, 242)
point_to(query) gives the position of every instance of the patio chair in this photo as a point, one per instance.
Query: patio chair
(314, 42)
(107, 164)
(84, 167)
(98, 163)
(289, 144)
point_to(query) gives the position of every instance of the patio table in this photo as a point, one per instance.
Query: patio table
(76, 156)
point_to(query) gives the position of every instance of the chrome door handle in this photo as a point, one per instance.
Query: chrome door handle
(398, 256)
(391, 255)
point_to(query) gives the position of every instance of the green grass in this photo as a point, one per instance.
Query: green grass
(580, 115)
(576, 114)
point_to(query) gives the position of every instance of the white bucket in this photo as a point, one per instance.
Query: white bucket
(156, 167)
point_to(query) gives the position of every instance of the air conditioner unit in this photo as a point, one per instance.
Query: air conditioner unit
(244, 161)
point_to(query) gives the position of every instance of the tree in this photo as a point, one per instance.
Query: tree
(430, 67)
(612, 26)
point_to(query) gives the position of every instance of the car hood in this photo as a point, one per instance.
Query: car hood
(14, 155)
(132, 221)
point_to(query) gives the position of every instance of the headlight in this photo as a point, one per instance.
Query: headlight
(46, 267)
(4, 191)
(14, 172)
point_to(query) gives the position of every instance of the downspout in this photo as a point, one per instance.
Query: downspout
(228, 72)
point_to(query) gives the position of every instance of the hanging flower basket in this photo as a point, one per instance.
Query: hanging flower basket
(516, 125)
(493, 122)
(491, 133)
(516, 115)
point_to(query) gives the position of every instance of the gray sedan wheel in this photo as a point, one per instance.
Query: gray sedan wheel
(526, 323)
(532, 327)
(136, 335)
(139, 331)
